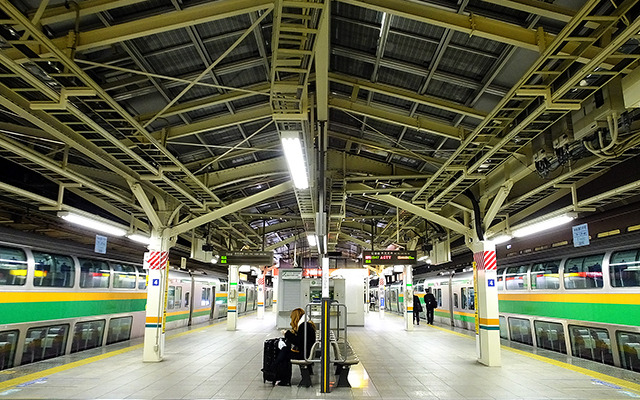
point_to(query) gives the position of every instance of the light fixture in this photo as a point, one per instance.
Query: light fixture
(542, 225)
(137, 237)
(502, 238)
(93, 222)
(292, 147)
(313, 240)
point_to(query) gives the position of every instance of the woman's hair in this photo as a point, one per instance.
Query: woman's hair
(296, 314)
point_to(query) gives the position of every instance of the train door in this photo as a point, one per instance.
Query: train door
(213, 302)
(189, 298)
(451, 295)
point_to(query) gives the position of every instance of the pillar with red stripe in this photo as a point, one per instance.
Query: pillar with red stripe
(156, 262)
(486, 291)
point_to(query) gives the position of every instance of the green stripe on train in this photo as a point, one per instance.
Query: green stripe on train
(13, 313)
(623, 314)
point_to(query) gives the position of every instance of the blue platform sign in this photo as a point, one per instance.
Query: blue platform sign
(155, 282)
(491, 282)
(580, 235)
(101, 244)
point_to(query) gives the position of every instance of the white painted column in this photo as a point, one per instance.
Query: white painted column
(487, 321)
(381, 299)
(275, 280)
(156, 262)
(232, 298)
(408, 297)
(325, 277)
(260, 285)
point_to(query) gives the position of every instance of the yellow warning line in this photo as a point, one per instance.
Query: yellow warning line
(50, 371)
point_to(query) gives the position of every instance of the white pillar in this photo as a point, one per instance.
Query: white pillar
(232, 298)
(325, 277)
(487, 320)
(381, 299)
(275, 280)
(156, 262)
(260, 285)
(408, 297)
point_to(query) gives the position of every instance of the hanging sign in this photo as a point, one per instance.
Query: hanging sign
(580, 235)
(101, 244)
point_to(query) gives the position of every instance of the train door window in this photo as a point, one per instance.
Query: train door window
(504, 329)
(187, 297)
(119, 329)
(171, 295)
(629, 348)
(516, 278)
(44, 342)
(500, 277)
(455, 300)
(471, 300)
(8, 343)
(206, 296)
(464, 297)
(583, 272)
(177, 302)
(53, 270)
(439, 297)
(88, 335)
(591, 343)
(124, 276)
(13, 266)
(550, 336)
(624, 268)
(94, 273)
(520, 330)
(545, 275)
(142, 278)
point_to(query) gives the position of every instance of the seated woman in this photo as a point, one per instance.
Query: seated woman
(295, 340)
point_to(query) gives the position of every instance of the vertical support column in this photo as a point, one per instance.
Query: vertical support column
(408, 297)
(232, 298)
(261, 304)
(325, 345)
(275, 280)
(488, 323)
(381, 298)
(156, 261)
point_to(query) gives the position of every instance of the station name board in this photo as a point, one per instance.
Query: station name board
(389, 257)
(253, 258)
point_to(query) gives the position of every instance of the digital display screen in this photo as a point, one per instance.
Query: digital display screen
(389, 257)
(253, 258)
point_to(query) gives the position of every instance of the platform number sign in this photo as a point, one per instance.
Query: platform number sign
(155, 282)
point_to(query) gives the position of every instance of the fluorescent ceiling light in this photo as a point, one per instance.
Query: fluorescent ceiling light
(136, 237)
(500, 239)
(93, 222)
(313, 240)
(542, 225)
(295, 160)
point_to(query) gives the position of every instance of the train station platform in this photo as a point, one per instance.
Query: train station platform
(431, 362)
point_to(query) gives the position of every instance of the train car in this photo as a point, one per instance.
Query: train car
(579, 302)
(394, 297)
(58, 299)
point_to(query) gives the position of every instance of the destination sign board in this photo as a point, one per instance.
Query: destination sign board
(389, 257)
(253, 258)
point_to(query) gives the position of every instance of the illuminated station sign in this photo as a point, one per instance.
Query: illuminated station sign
(389, 257)
(254, 258)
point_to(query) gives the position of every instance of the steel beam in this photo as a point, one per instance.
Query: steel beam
(64, 13)
(359, 242)
(140, 194)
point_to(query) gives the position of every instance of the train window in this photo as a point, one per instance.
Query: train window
(8, 343)
(124, 276)
(119, 329)
(187, 297)
(463, 297)
(629, 348)
(94, 273)
(171, 295)
(583, 272)
(53, 270)
(44, 342)
(439, 297)
(88, 335)
(520, 330)
(624, 268)
(545, 275)
(178, 298)
(500, 276)
(142, 278)
(455, 300)
(516, 278)
(550, 336)
(206, 296)
(504, 329)
(13, 266)
(591, 343)
(471, 302)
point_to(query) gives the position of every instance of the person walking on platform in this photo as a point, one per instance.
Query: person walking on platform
(417, 309)
(430, 304)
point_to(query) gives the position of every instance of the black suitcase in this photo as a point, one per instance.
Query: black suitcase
(272, 369)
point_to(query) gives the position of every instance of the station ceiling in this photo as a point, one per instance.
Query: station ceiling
(168, 114)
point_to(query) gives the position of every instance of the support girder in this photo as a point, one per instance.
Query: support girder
(229, 209)
(357, 241)
(284, 242)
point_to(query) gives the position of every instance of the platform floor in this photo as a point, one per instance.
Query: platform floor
(430, 362)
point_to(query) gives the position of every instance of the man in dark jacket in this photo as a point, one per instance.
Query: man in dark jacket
(430, 304)
(417, 309)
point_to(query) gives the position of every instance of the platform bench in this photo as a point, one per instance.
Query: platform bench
(343, 363)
